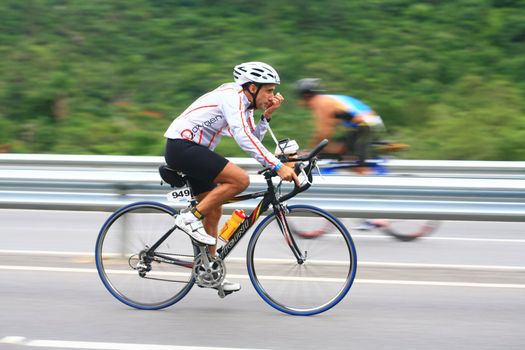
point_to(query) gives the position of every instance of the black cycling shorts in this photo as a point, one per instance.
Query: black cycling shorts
(199, 163)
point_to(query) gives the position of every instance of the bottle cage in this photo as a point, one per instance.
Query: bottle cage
(286, 147)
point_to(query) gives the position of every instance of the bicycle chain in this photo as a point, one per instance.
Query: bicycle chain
(143, 268)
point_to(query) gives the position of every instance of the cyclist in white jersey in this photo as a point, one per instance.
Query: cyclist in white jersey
(192, 137)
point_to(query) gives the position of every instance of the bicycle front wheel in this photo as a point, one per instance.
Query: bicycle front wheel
(304, 287)
(139, 279)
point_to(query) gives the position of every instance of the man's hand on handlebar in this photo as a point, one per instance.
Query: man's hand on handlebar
(288, 174)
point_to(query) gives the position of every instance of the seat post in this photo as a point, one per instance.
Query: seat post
(193, 200)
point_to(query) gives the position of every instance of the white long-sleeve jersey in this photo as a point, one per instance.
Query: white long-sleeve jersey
(223, 111)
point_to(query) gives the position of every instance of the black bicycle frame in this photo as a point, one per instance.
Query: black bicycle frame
(269, 198)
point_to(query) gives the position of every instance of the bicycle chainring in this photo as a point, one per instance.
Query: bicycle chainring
(208, 271)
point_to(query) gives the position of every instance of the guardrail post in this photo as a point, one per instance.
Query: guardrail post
(121, 190)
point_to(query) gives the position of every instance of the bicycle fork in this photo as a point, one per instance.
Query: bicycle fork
(290, 240)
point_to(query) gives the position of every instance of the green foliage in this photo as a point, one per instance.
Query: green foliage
(107, 77)
(487, 123)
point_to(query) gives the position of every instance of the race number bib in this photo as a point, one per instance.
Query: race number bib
(179, 195)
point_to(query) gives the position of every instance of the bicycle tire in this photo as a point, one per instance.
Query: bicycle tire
(409, 230)
(126, 233)
(320, 282)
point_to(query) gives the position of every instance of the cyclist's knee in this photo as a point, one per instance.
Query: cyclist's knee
(243, 181)
(239, 182)
(234, 177)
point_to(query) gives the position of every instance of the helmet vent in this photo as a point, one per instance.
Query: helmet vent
(255, 72)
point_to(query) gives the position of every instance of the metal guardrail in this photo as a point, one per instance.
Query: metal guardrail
(105, 183)
(428, 168)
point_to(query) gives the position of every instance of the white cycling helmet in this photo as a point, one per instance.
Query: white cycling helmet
(255, 72)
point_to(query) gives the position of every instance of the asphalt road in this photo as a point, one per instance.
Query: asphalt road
(462, 288)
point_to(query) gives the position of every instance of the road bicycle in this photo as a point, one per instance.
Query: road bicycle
(403, 230)
(146, 262)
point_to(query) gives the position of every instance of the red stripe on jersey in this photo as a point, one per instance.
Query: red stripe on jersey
(251, 123)
(209, 106)
(248, 134)
(213, 137)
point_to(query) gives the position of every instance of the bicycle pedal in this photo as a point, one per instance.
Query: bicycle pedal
(223, 293)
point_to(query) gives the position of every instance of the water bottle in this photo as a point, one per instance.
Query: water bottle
(231, 225)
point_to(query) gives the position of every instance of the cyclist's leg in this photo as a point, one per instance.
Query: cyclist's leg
(201, 165)
(211, 222)
(207, 169)
(335, 148)
(358, 142)
(232, 180)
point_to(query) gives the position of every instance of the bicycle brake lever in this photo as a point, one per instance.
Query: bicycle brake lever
(319, 172)
(305, 176)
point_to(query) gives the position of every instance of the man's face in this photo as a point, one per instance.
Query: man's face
(265, 96)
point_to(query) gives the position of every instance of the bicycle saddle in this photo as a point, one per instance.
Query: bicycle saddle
(171, 176)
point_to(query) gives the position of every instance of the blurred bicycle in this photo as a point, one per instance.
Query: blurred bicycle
(336, 164)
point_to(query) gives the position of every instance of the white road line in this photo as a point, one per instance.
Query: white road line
(328, 262)
(394, 264)
(443, 266)
(435, 238)
(45, 252)
(490, 240)
(444, 284)
(46, 269)
(278, 278)
(17, 340)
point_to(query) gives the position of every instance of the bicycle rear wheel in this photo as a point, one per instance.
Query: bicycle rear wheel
(144, 281)
(310, 287)
(408, 230)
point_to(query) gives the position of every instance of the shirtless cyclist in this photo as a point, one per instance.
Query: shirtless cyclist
(331, 111)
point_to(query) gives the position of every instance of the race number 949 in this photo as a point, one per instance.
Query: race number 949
(179, 195)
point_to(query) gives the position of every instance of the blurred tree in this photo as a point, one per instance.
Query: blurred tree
(109, 76)
(486, 123)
